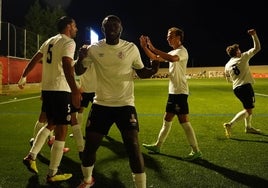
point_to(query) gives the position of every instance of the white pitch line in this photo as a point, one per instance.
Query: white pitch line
(18, 100)
(259, 94)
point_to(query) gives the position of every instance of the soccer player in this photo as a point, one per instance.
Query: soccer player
(115, 61)
(88, 87)
(238, 72)
(59, 93)
(87, 83)
(177, 104)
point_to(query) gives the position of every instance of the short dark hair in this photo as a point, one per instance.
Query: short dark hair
(63, 22)
(111, 17)
(231, 50)
(178, 32)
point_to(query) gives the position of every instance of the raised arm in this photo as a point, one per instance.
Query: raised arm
(79, 68)
(154, 53)
(256, 42)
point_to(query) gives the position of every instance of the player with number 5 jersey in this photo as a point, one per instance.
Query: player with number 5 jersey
(59, 93)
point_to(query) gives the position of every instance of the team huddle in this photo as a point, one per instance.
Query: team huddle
(106, 70)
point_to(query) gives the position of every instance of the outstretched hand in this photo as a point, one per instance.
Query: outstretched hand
(83, 51)
(143, 41)
(149, 44)
(252, 31)
(22, 82)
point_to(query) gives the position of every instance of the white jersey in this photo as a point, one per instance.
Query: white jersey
(53, 78)
(237, 68)
(114, 66)
(88, 80)
(177, 72)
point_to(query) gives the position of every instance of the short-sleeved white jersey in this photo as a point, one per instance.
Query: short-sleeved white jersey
(114, 66)
(88, 80)
(177, 72)
(56, 47)
(237, 68)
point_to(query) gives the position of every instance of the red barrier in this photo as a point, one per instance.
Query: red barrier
(260, 75)
(12, 69)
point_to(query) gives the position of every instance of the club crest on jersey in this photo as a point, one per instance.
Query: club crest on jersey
(121, 55)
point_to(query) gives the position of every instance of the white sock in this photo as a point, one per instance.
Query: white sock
(55, 156)
(39, 141)
(78, 136)
(38, 125)
(248, 121)
(87, 173)
(163, 133)
(51, 134)
(80, 117)
(139, 180)
(239, 116)
(190, 135)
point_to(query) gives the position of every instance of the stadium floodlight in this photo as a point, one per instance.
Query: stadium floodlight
(91, 35)
(94, 37)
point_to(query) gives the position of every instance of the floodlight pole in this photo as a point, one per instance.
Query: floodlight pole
(15, 38)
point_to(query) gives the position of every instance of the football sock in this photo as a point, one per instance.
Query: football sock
(78, 136)
(190, 135)
(139, 180)
(55, 156)
(39, 141)
(239, 116)
(248, 121)
(37, 127)
(163, 133)
(80, 117)
(51, 134)
(87, 173)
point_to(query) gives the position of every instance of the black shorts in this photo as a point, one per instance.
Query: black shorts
(101, 118)
(57, 105)
(177, 104)
(86, 98)
(245, 94)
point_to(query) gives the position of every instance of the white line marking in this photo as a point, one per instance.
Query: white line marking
(18, 100)
(259, 94)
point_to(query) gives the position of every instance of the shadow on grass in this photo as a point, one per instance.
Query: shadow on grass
(119, 149)
(247, 140)
(242, 178)
(261, 141)
(264, 134)
(115, 146)
(70, 166)
(246, 179)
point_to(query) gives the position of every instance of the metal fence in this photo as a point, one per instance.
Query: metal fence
(18, 42)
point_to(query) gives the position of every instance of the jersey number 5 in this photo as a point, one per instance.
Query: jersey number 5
(49, 54)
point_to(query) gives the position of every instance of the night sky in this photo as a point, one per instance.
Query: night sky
(209, 26)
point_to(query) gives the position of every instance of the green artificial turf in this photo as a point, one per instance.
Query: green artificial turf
(237, 162)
